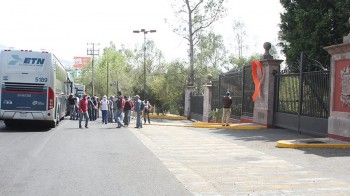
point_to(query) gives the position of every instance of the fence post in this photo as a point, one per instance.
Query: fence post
(263, 105)
(339, 121)
(188, 91)
(207, 102)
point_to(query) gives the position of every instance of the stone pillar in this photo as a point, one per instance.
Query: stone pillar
(263, 105)
(207, 102)
(188, 91)
(339, 119)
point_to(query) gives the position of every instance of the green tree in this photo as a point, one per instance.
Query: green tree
(155, 65)
(309, 26)
(238, 63)
(211, 55)
(210, 58)
(169, 87)
(111, 64)
(194, 16)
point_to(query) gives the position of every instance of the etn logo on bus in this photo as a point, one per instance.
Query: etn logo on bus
(34, 61)
(16, 59)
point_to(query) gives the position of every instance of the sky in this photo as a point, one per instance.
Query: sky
(65, 27)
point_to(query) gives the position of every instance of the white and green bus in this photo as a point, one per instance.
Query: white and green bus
(34, 87)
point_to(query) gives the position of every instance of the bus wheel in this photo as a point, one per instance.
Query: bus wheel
(52, 124)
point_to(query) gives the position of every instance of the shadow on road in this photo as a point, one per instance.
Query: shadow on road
(271, 136)
(25, 127)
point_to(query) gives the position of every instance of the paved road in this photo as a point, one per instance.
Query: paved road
(165, 160)
(101, 160)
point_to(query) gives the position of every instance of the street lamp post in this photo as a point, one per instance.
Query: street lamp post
(144, 31)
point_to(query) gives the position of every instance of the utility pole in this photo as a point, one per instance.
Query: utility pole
(93, 52)
(107, 78)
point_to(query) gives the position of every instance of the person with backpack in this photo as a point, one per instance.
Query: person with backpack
(120, 102)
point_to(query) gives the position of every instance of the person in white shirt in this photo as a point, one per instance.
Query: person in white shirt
(104, 109)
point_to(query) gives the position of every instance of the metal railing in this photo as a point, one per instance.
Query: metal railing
(309, 99)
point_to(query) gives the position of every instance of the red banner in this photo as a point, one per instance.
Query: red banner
(256, 66)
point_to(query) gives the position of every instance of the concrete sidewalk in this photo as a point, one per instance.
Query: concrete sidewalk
(299, 143)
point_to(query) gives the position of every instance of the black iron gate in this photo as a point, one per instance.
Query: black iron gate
(241, 87)
(302, 101)
(248, 91)
(196, 107)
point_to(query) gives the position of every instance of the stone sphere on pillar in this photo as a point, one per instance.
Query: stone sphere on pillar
(209, 77)
(267, 47)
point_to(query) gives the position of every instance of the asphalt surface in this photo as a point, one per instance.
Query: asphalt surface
(101, 160)
(166, 157)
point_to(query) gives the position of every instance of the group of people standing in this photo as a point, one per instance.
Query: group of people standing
(93, 105)
(117, 108)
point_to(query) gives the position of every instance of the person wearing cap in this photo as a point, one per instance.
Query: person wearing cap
(138, 109)
(104, 109)
(226, 112)
(83, 108)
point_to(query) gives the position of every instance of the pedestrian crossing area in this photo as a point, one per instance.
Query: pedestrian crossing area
(207, 165)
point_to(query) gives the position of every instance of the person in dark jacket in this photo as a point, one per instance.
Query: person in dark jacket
(226, 112)
(71, 103)
(94, 111)
(146, 111)
(127, 111)
(91, 108)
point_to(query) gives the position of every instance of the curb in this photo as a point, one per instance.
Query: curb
(239, 126)
(294, 144)
(167, 117)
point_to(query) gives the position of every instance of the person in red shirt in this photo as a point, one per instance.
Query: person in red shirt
(83, 108)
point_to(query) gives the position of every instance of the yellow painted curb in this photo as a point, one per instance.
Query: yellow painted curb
(287, 144)
(240, 126)
(167, 117)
